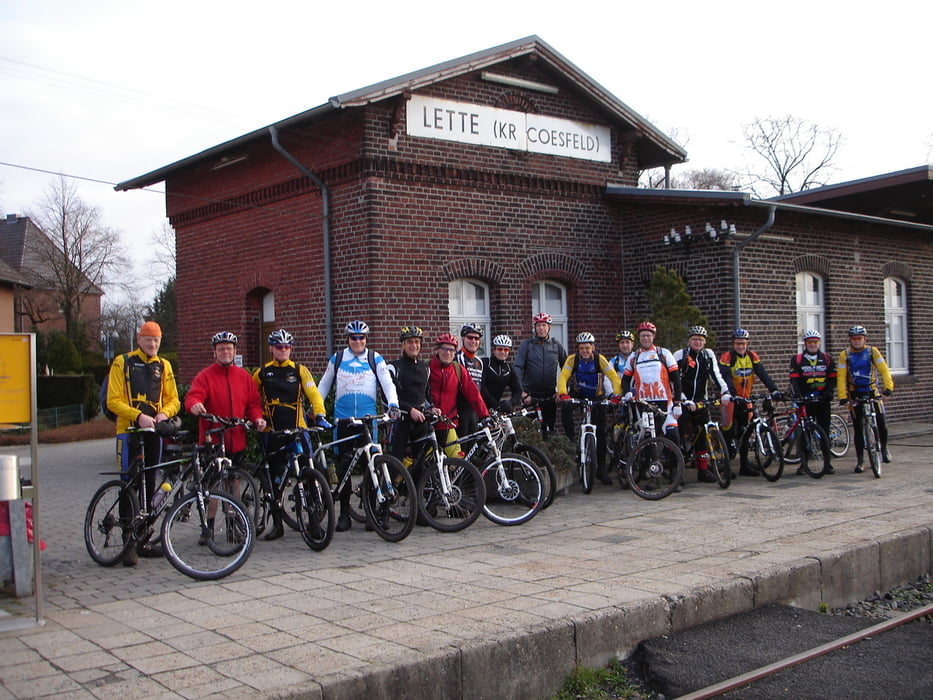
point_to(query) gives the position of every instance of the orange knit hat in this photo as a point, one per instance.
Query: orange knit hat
(150, 329)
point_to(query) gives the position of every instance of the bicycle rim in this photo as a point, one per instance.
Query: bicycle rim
(872, 446)
(514, 490)
(815, 451)
(392, 507)
(719, 458)
(789, 443)
(655, 469)
(544, 465)
(211, 544)
(108, 522)
(588, 462)
(243, 487)
(768, 458)
(357, 507)
(838, 435)
(289, 503)
(457, 509)
(317, 519)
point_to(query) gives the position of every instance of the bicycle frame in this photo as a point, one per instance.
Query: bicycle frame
(365, 454)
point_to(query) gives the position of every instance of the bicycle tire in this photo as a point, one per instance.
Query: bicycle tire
(544, 465)
(202, 554)
(462, 506)
(815, 450)
(246, 490)
(394, 517)
(514, 493)
(289, 504)
(655, 469)
(872, 445)
(760, 451)
(838, 435)
(719, 458)
(107, 532)
(790, 446)
(317, 517)
(588, 462)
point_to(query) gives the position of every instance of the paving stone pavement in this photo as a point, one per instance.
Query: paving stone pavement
(427, 617)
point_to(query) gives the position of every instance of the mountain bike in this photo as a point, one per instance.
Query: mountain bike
(505, 436)
(301, 494)
(451, 491)
(514, 485)
(387, 490)
(709, 445)
(760, 447)
(588, 441)
(803, 441)
(871, 436)
(206, 534)
(650, 464)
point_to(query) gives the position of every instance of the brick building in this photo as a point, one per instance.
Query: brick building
(485, 189)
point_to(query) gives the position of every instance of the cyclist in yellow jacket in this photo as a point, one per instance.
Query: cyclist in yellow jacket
(858, 370)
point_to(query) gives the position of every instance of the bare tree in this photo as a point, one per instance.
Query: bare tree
(706, 179)
(163, 260)
(798, 154)
(78, 254)
(119, 321)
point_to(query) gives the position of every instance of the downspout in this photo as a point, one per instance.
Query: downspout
(735, 264)
(325, 211)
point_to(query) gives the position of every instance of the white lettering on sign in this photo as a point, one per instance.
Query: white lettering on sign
(434, 118)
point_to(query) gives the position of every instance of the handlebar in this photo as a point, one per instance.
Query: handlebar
(226, 422)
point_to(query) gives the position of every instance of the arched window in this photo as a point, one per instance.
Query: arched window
(267, 326)
(468, 302)
(811, 311)
(551, 297)
(895, 323)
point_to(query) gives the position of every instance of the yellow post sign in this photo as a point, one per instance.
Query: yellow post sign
(15, 378)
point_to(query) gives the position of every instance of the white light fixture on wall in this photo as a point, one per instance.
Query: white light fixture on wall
(518, 82)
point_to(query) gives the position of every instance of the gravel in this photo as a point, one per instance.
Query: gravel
(888, 605)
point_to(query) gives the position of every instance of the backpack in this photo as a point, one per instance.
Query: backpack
(102, 397)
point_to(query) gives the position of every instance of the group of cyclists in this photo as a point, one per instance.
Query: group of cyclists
(454, 388)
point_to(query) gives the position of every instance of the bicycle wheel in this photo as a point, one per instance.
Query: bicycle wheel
(514, 490)
(838, 435)
(872, 445)
(588, 462)
(719, 458)
(790, 446)
(317, 517)
(461, 507)
(392, 504)
(760, 450)
(208, 543)
(655, 469)
(814, 452)
(544, 465)
(241, 485)
(357, 507)
(289, 504)
(109, 520)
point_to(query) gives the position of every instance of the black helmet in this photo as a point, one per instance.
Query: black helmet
(471, 328)
(411, 331)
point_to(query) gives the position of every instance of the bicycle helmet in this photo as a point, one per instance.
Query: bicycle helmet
(281, 337)
(224, 337)
(625, 335)
(502, 341)
(812, 333)
(542, 317)
(647, 326)
(471, 328)
(446, 339)
(740, 334)
(411, 331)
(585, 337)
(857, 330)
(696, 330)
(357, 328)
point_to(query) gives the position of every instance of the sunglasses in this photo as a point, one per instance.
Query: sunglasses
(471, 337)
(357, 337)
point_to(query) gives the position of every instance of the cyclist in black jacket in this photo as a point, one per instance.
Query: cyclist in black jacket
(498, 375)
(410, 374)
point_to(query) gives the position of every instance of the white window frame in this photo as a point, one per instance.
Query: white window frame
(811, 304)
(464, 306)
(554, 303)
(895, 325)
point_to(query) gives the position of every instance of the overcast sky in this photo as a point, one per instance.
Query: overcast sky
(111, 90)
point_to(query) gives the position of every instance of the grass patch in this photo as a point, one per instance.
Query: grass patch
(610, 683)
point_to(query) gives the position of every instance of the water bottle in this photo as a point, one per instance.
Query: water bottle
(164, 490)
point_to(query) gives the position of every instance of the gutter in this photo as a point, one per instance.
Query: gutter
(736, 252)
(325, 204)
